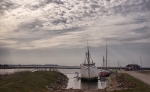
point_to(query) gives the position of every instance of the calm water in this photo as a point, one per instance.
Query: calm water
(77, 84)
(73, 82)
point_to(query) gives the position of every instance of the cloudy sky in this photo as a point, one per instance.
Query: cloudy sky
(56, 31)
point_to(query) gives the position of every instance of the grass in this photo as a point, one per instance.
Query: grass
(141, 86)
(144, 72)
(28, 81)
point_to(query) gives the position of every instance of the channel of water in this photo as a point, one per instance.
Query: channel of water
(72, 83)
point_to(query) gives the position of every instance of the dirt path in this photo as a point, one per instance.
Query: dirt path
(143, 77)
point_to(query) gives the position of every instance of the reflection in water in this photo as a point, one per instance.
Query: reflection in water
(102, 84)
(89, 85)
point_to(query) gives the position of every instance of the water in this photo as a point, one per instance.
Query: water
(72, 83)
(10, 71)
(77, 84)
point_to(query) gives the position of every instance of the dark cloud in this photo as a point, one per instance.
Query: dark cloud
(143, 30)
(53, 1)
(128, 7)
(30, 26)
(6, 5)
(93, 6)
(36, 31)
(57, 21)
(140, 19)
(45, 2)
(37, 25)
(34, 7)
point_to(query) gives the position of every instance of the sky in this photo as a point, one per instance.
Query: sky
(56, 31)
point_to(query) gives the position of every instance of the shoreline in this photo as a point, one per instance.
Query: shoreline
(52, 81)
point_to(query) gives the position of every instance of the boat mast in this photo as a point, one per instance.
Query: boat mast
(106, 56)
(88, 59)
(141, 62)
(103, 62)
(88, 55)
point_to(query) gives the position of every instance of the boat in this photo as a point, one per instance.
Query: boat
(104, 72)
(89, 72)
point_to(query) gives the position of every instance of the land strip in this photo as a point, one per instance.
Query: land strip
(28, 81)
(141, 76)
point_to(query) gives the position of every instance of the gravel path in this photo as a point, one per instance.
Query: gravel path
(143, 77)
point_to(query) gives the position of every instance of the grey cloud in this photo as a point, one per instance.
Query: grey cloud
(132, 7)
(37, 32)
(6, 6)
(45, 2)
(93, 6)
(143, 30)
(46, 34)
(31, 26)
(88, 10)
(140, 19)
(24, 39)
(55, 33)
(53, 1)
(146, 36)
(34, 7)
(134, 20)
(57, 21)
(129, 39)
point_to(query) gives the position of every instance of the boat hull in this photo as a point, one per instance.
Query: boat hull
(89, 73)
(103, 74)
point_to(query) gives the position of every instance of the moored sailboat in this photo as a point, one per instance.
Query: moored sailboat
(89, 72)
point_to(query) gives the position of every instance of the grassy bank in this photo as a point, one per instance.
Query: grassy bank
(141, 86)
(28, 81)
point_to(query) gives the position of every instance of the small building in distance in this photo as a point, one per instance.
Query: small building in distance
(132, 67)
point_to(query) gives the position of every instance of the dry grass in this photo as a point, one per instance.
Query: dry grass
(28, 81)
(141, 86)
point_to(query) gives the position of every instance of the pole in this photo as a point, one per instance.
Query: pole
(103, 62)
(141, 62)
(88, 60)
(106, 56)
